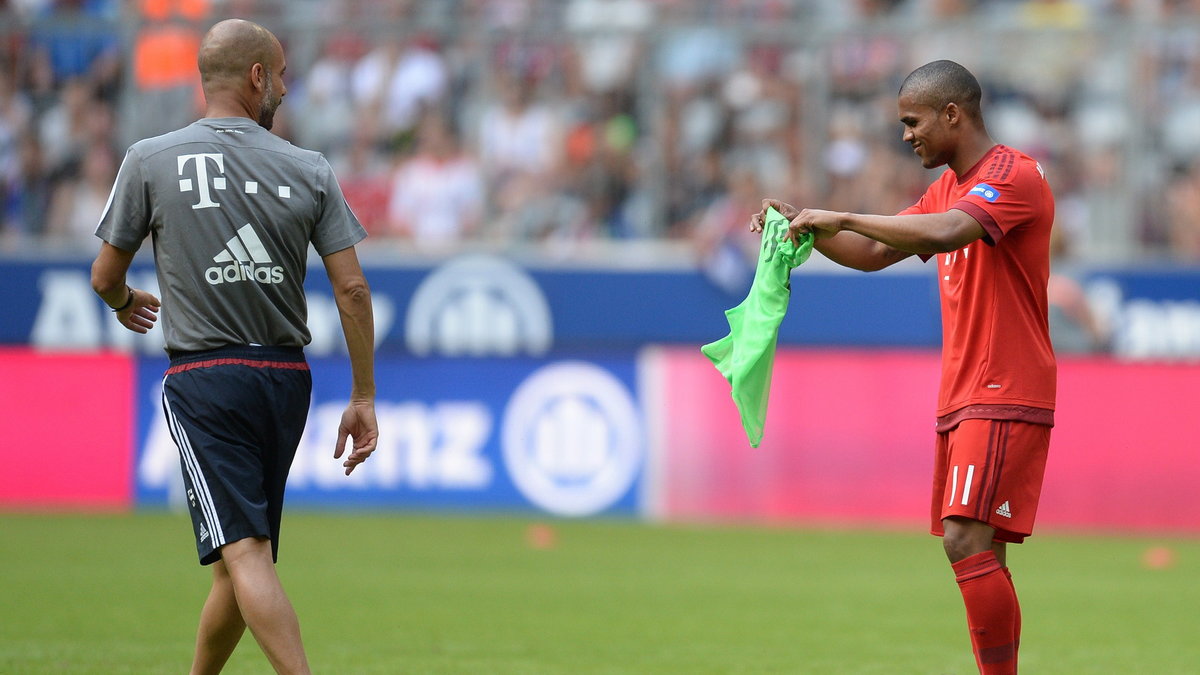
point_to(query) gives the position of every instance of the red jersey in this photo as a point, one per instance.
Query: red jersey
(997, 361)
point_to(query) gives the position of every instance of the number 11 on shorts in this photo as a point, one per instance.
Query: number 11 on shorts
(966, 492)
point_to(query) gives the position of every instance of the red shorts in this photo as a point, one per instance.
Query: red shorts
(990, 471)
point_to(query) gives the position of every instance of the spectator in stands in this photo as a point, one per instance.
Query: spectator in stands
(397, 80)
(437, 196)
(167, 86)
(693, 52)
(1074, 327)
(25, 196)
(64, 128)
(598, 161)
(691, 61)
(36, 81)
(764, 107)
(518, 136)
(606, 39)
(326, 97)
(693, 182)
(521, 148)
(1183, 213)
(725, 249)
(863, 64)
(78, 201)
(74, 36)
(364, 174)
(16, 114)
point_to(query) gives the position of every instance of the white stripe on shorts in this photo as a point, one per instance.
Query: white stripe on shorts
(967, 484)
(187, 455)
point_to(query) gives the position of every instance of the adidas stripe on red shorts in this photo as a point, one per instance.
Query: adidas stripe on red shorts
(990, 471)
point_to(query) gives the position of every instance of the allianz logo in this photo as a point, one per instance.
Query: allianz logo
(479, 305)
(247, 260)
(571, 438)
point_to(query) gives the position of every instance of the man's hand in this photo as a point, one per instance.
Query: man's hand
(141, 314)
(358, 422)
(823, 224)
(759, 219)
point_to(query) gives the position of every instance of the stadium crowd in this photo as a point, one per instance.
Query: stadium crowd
(556, 124)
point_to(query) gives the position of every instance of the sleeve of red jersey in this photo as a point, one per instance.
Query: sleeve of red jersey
(1003, 200)
(920, 207)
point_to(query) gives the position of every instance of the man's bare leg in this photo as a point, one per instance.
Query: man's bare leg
(221, 625)
(264, 605)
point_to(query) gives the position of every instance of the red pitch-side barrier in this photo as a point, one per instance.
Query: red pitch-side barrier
(849, 441)
(66, 430)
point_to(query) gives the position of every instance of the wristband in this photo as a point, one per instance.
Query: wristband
(128, 302)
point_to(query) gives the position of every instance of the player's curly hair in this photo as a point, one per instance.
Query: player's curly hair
(942, 82)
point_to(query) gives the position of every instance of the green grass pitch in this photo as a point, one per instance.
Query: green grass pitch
(425, 594)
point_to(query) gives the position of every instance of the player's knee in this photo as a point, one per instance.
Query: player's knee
(964, 538)
(954, 547)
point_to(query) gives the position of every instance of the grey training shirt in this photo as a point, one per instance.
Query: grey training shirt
(232, 209)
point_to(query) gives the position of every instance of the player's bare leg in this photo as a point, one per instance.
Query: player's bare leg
(965, 537)
(264, 605)
(221, 625)
(993, 615)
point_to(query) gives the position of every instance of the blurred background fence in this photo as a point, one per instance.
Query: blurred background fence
(558, 193)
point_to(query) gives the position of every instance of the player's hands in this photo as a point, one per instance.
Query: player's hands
(822, 224)
(141, 314)
(759, 219)
(358, 423)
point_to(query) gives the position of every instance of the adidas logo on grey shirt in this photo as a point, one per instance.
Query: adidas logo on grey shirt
(247, 260)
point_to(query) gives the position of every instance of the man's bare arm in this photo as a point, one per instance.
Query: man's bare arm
(353, 297)
(138, 310)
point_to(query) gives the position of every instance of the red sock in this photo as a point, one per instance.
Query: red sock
(991, 612)
(1017, 623)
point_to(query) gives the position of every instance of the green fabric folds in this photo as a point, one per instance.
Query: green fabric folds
(746, 356)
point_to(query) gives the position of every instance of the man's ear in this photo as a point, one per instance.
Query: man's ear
(258, 76)
(952, 113)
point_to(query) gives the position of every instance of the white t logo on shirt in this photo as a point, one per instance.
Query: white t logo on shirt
(201, 183)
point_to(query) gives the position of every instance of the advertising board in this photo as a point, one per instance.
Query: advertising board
(849, 440)
(66, 430)
(486, 305)
(562, 436)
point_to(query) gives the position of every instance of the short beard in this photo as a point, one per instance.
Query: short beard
(266, 109)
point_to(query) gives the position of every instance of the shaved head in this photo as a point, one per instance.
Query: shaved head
(241, 69)
(939, 83)
(231, 48)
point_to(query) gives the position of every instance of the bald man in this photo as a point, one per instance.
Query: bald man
(232, 210)
(986, 224)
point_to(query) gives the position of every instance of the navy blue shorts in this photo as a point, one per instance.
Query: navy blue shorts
(236, 414)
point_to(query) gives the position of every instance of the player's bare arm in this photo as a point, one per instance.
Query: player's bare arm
(353, 297)
(919, 233)
(846, 248)
(898, 236)
(136, 309)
